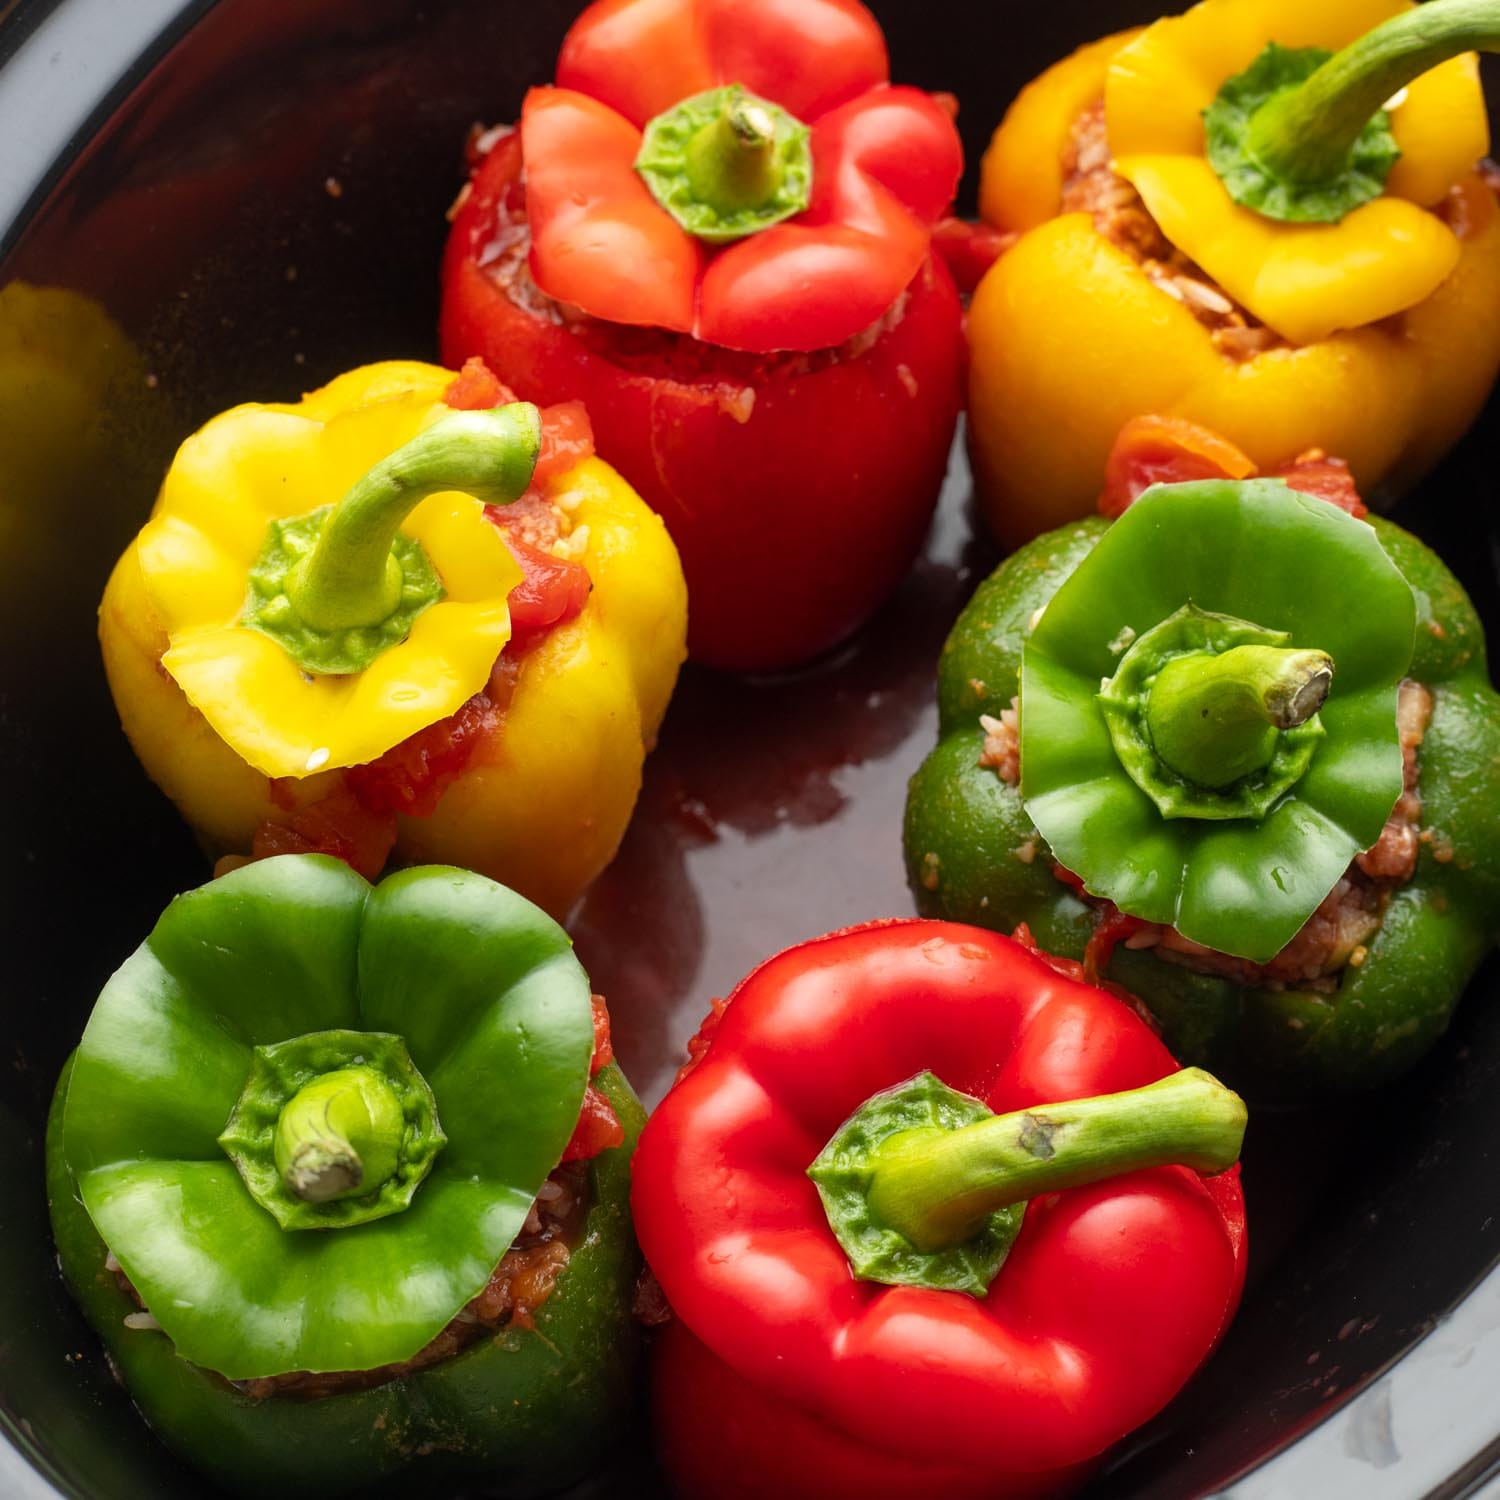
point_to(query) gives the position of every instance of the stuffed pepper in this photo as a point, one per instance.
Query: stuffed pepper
(406, 616)
(715, 230)
(1237, 751)
(933, 1217)
(330, 1177)
(1262, 215)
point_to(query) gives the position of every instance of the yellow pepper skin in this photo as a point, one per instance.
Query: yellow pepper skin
(1070, 338)
(544, 802)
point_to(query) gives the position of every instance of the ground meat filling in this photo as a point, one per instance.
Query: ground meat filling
(1339, 932)
(521, 1283)
(1092, 186)
(1002, 744)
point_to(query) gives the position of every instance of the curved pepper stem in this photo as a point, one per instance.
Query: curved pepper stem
(1310, 143)
(1307, 134)
(352, 579)
(937, 1187)
(339, 1136)
(923, 1186)
(1214, 719)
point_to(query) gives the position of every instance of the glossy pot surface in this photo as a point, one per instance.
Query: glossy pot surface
(235, 201)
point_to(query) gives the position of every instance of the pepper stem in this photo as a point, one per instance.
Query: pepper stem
(937, 1187)
(352, 579)
(1306, 135)
(732, 162)
(339, 1136)
(1213, 719)
(726, 164)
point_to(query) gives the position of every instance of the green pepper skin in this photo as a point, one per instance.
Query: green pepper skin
(526, 1412)
(968, 839)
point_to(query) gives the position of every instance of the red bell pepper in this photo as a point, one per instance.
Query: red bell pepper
(787, 1372)
(781, 386)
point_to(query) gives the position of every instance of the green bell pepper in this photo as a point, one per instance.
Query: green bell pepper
(1056, 626)
(309, 1117)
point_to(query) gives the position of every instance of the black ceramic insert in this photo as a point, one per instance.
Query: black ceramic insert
(258, 203)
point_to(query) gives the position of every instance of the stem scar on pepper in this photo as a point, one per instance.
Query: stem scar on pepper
(333, 1128)
(1214, 717)
(727, 164)
(1302, 136)
(336, 587)
(339, 1135)
(924, 1186)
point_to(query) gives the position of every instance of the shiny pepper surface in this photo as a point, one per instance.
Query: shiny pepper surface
(543, 799)
(786, 400)
(480, 987)
(782, 1373)
(1389, 349)
(974, 853)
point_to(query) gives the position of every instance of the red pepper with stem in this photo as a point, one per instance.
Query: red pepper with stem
(716, 231)
(933, 1217)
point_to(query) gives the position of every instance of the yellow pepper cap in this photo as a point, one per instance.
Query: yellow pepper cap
(256, 464)
(1303, 280)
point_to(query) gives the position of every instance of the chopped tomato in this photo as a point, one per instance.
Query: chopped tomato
(552, 590)
(598, 1128)
(567, 439)
(567, 436)
(1112, 929)
(1168, 450)
(477, 388)
(410, 778)
(1315, 473)
(338, 824)
(969, 249)
(604, 1051)
(1165, 450)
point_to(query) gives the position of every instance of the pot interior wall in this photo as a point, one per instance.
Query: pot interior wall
(266, 208)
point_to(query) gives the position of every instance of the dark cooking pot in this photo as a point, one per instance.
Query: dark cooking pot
(236, 200)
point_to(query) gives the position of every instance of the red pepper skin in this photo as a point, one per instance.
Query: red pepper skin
(797, 488)
(1112, 1295)
(969, 249)
(718, 1434)
(885, 163)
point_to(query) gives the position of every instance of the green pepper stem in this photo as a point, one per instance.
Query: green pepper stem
(339, 1136)
(351, 579)
(936, 1187)
(1213, 719)
(732, 162)
(1306, 134)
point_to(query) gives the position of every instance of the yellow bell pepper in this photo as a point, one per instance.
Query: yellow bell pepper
(244, 734)
(1376, 336)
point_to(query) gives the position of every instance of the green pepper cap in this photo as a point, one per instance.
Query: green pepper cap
(1301, 135)
(290, 1005)
(1241, 865)
(727, 163)
(925, 1186)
